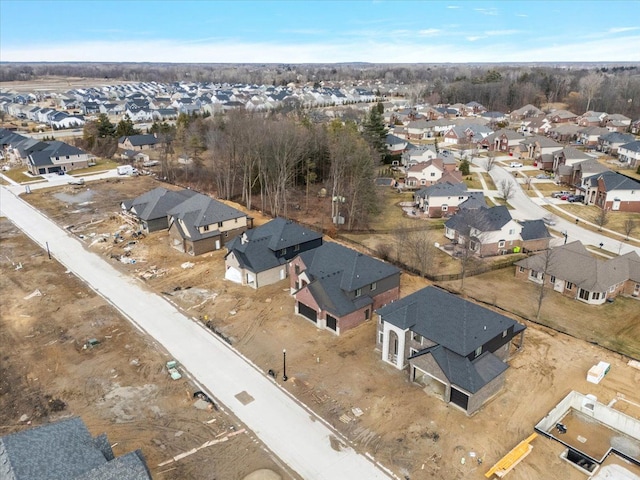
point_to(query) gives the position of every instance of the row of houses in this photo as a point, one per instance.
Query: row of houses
(42, 157)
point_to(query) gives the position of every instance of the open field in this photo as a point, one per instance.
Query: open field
(119, 386)
(408, 430)
(19, 175)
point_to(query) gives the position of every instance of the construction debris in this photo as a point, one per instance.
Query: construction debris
(186, 265)
(35, 293)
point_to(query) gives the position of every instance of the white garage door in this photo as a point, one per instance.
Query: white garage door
(233, 274)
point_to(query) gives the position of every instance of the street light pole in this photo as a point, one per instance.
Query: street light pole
(284, 365)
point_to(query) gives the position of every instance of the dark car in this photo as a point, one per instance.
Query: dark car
(575, 198)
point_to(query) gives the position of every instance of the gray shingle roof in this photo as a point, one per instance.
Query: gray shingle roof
(445, 189)
(483, 219)
(615, 181)
(335, 271)
(573, 263)
(65, 450)
(157, 202)
(632, 146)
(534, 230)
(446, 319)
(200, 210)
(140, 140)
(260, 246)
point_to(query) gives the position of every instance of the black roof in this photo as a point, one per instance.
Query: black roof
(140, 140)
(534, 230)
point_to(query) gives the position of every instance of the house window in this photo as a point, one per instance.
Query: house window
(412, 352)
(206, 228)
(596, 295)
(283, 251)
(296, 268)
(380, 337)
(512, 231)
(433, 174)
(552, 279)
(583, 294)
(504, 334)
(374, 285)
(423, 182)
(460, 198)
(569, 286)
(417, 337)
(358, 292)
(296, 248)
(501, 244)
(478, 351)
(236, 220)
(445, 208)
(219, 224)
(367, 314)
(521, 269)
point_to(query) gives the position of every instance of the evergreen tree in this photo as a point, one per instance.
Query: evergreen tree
(465, 166)
(126, 128)
(375, 132)
(105, 127)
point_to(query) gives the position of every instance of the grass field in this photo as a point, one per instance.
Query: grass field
(489, 181)
(98, 167)
(20, 176)
(473, 181)
(613, 325)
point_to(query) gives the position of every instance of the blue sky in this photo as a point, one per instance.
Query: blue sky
(382, 31)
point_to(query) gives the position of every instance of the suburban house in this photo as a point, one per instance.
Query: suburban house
(562, 116)
(418, 153)
(589, 136)
(567, 156)
(537, 146)
(612, 191)
(466, 134)
(525, 112)
(630, 153)
(201, 224)
(431, 172)
(151, 209)
(338, 288)
(138, 142)
(591, 119)
(492, 231)
(395, 145)
(260, 256)
(502, 141)
(66, 450)
(57, 157)
(441, 199)
(574, 174)
(571, 270)
(610, 142)
(451, 347)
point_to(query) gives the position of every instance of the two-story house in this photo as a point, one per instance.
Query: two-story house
(441, 199)
(260, 255)
(338, 288)
(630, 153)
(57, 157)
(201, 224)
(431, 172)
(450, 346)
(492, 231)
(150, 209)
(613, 191)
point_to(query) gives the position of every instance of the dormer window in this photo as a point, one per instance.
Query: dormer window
(358, 292)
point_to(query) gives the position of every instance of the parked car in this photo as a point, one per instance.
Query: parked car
(561, 194)
(576, 198)
(515, 165)
(549, 221)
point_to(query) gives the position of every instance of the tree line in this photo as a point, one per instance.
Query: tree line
(611, 88)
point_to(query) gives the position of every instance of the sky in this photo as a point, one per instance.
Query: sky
(301, 31)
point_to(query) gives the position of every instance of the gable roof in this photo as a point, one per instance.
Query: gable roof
(632, 146)
(615, 181)
(200, 210)
(445, 189)
(534, 230)
(257, 248)
(157, 202)
(65, 450)
(447, 320)
(482, 219)
(573, 263)
(140, 140)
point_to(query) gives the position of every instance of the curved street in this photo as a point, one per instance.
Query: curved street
(527, 208)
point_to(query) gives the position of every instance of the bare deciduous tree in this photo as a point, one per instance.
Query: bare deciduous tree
(602, 218)
(507, 188)
(629, 227)
(490, 162)
(589, 86)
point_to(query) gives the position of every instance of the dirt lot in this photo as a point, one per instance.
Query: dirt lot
(405, 428)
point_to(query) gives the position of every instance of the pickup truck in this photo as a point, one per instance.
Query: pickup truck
(561, 194)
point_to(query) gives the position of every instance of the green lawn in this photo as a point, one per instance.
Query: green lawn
(489, 181)
(391, 214)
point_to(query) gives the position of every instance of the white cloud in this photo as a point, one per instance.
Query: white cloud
(622, 29)
(487, 11)
(429, 32)
(524, 15)
(496, 33)
(453, 7)
(408, 49)
(473, 38)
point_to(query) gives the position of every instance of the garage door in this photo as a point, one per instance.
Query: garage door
(459, 398)
(308, 312)
(233, 274)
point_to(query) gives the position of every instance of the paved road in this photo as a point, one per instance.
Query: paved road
(525, 208)
(293, 433)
